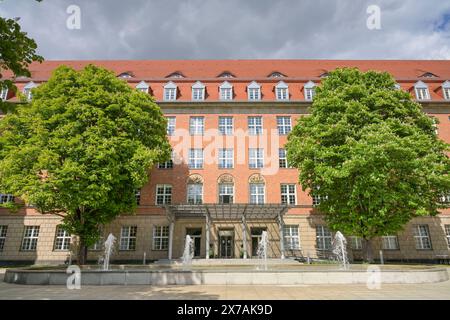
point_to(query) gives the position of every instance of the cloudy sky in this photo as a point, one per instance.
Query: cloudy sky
(235, 29)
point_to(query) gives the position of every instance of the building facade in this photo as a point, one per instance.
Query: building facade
(229, 180)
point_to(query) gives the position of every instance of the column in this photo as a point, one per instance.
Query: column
(244, 236)
(207, 235)
(281, 228)
(171, 226)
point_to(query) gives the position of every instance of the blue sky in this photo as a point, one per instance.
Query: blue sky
(233, 29)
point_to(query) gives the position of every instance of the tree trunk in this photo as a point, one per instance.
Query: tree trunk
(368, 252)
(82, 252)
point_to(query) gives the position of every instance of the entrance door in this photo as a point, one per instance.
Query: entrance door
(226, 243)
(196, 235)
(256, 238)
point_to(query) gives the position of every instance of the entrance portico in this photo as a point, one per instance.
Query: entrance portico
(226, 230)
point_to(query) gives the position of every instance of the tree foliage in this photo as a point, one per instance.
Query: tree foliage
(370, 153)
(82, 148)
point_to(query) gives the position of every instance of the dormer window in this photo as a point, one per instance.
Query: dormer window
(422, 92)
(254, 91)
(428, 75)
(3, 94)
(324, 75)
(276, 74)
(446, 90)
(170, 91)
(282, 91)
(176, 75)
(226, 91)
(142, 86)
(125, 75)
(226, 74)
(27, 90)
(309, 90)
(198, 91)
(397, 86)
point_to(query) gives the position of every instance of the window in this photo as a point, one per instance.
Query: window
(225, 74)
(62, 239)
(142, 86)
(288, 194)
(323, 238)
(226, 91)
(257, 194)
(160, 237)
(196, 125)
(3, 231)
(389, 242)
(3, 94)
(282, 91)
(276, 74)
(176, 75)
(30, 238)
(171, 123)
(355, 243)
(255, 126)
(316, 200)
(198, 91)
(422, 237)
(435, 125)
(125, 75)
(446, 90)
(256, 158)
(163, 194)
(284, 125)
(27, 90)
(447, 234)
(282, 158)
(4, 198)
(422, 92)
(138, 197)
(254, 91)
(309, 90)
(291, 237)
(225, 158)
(170, 91)
(128, 238)
(226, 126)
(226, 193)
(195, 193)
(168, 164)
(195, 158)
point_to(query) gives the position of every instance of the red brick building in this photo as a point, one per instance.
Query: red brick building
(229, 179)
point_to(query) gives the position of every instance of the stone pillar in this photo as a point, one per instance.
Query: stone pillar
(244, 237)
(281, 228)
(171, 227)
(207, 235)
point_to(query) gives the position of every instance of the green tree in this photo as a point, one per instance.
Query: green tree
(370, 154)
(17, 51)
(81, 149)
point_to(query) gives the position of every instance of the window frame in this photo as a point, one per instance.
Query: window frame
(291, 239)
(159, 234)
(3, 235)
(171, 125)
(255, 125)
(229, 191)
(32, 237)
(387, 241)
(62, 240)
(196, 158)
(129, 238)
(324, 237)
(287, 193)
(166, 196)
(196, 197)
(284, 125)
(256, 158)
(419, 239)
(197, 125)
(282, 160)
(258, 194)
(226, 128)
(225, 161)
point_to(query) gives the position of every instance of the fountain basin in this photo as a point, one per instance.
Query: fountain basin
(215, 275)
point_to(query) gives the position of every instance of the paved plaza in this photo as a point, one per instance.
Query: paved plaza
(439, 290)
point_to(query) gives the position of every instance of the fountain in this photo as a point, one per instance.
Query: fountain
(109, 245)
(262, 249)
(340, 250)
(188, 252)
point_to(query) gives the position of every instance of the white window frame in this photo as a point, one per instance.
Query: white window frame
(226, 158)
(195, 193)
(198, 91)
(166, 196)
(421, 90)
(195, 158)
(355, 243)
(160, 239)
(255, 125)
(446, 90)
(288, 190)
(226, 91)
(30, 238)
(226, 125)
(137, 195)
(309, 90)
(3, 94)
(422, 237)
(282, 159)
(447, 234)
(256, 158)
(196, 126)
(3, 233)
(282, 91)
(5, 198)
(142, 86)
(27, 90)
(291, 234)
(170, 91)
(128, 238)
(62, 240)
(284, 125)
(257, 193)
(226, 189)
(171, 125)
(167, 164)
(389, 242)
(324, 238)
(254, 91)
